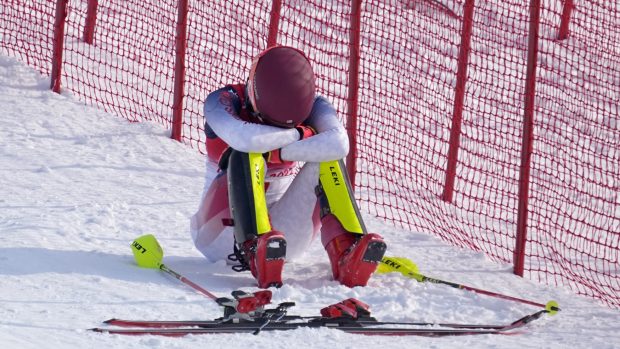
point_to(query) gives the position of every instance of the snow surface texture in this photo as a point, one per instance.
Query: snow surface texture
(77, 185)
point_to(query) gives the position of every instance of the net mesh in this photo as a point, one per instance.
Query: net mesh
(409, 58)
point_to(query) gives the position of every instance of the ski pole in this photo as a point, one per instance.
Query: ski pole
(148, 254)
(409, 269)
(187, 281)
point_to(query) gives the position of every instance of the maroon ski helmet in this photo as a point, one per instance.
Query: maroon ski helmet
(281, 86)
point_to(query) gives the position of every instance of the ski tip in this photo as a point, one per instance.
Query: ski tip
(552, 307)
(108, 321)
(96, 329)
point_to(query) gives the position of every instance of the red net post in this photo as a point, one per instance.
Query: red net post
(91, 21)
(459, 97)
(274, 23)
(353, 88)
(527, 139)
(59, 39)
(566, 15)
(179, 71)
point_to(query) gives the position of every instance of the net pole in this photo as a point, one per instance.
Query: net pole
(179, 71)
(353, 82)
(527, 141)
(459, 98)
(59, 40)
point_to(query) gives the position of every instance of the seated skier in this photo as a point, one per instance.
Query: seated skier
(275, 173)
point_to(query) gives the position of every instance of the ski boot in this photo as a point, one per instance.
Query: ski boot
(353, 257)
(264, 257)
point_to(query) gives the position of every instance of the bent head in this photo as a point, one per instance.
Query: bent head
(281, 86)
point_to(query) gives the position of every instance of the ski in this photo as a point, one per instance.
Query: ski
(345, 325)
(288, 318)
(351, 316)
(179, 332)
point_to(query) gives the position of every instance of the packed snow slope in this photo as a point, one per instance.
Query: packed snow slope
(77, 185)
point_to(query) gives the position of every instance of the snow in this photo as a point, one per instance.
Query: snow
(77, 185)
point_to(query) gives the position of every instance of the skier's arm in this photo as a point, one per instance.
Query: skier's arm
(330, 143)
(221, 116)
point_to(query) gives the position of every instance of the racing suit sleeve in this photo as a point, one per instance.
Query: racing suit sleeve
(221, 110)
(330, 143)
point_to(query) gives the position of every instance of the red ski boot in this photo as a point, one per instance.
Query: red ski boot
(265, 257)
(354, 257)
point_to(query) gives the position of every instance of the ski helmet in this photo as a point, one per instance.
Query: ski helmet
(281, 86)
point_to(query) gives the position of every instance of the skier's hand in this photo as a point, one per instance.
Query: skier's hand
(305, 132)
(273, 157)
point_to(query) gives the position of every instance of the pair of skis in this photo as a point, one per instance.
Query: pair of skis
(246, 313)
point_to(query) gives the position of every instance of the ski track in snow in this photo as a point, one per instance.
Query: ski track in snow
(77, 185)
